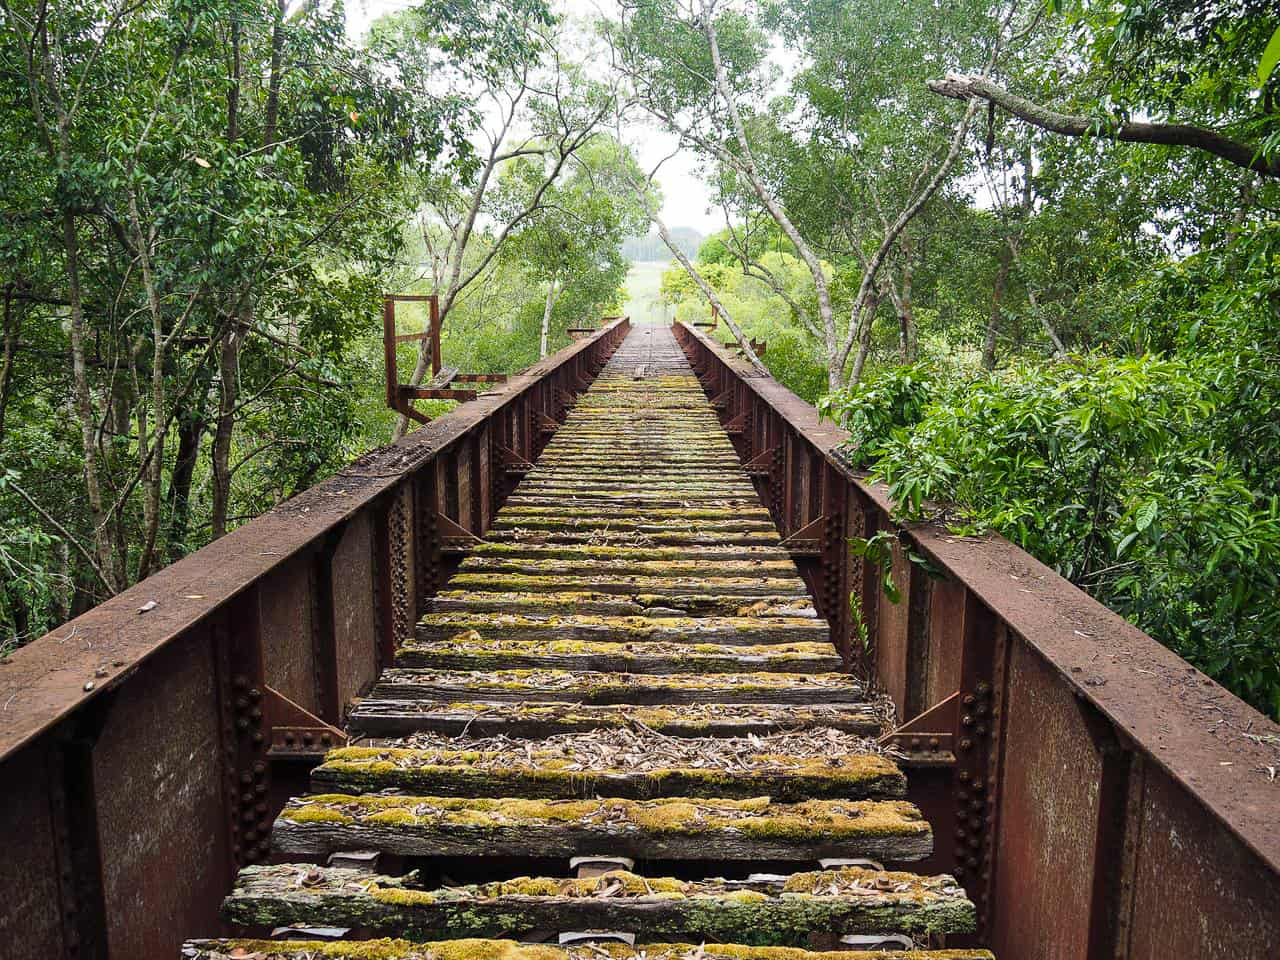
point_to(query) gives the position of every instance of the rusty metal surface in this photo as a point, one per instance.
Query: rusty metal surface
(1046, 843)
(45, 680)
(158, 790)
(1188, 725)
(31, 920)
(352, 583)
(1178, 862)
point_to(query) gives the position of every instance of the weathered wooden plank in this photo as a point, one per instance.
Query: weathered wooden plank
(600, 583)
(736, 768)
(669, 829)
(469, 651)
(545, 605)
(375, 717)
(604, 688)
(836, 902)
(727, 631)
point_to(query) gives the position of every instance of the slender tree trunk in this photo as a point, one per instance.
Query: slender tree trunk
(12, 330)
(272, 114)
(552, 294)
(997, 305)
(190, 432)
(228, 396)
(102, 540)
(1059, 348)
(868, 318)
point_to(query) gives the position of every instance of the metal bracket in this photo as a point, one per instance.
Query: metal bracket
(927, 740)
(807, 541)
(453, 538)
(761, 465)
(721, 400)
(544, 423)
(295, 731)
(737, 426)
(512, 462)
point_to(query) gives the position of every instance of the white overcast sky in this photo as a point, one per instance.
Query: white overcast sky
(685, 197)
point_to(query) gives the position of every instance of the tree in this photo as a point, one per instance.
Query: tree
(535, 111)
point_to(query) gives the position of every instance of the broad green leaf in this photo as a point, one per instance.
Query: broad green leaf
(1270, 57)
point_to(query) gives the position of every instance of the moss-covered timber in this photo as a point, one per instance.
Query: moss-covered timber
(735, 631)
(585, 603)
(375, 717)
(470, 651)
(678, 828)
(687, 567)
(511, 950)
(626, 585)
(548, 773)
(605, 688)
(656, 908)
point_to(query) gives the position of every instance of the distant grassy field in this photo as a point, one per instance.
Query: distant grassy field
(643, 283)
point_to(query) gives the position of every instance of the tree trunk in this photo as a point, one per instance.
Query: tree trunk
(552, 294)
(104, 552)
(12, 329)
(872, 304)
(997, 303)
(228, 395)
(190, 433)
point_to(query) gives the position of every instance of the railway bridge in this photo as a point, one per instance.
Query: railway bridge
(585, 670)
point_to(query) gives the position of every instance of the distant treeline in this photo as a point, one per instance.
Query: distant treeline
(652, 247)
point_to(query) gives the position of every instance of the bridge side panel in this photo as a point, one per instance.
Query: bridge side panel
(1100, 797)
(34, 921)
(145, 748)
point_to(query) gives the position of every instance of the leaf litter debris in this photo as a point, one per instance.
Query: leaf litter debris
(640, 749)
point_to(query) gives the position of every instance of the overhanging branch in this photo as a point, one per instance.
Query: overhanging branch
(960, 86)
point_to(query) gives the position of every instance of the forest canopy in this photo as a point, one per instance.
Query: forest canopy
(1026, 252)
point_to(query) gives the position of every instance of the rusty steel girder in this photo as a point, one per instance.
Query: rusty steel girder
(145, 748)
(1095, 793)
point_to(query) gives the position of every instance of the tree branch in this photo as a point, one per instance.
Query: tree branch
(968, 87)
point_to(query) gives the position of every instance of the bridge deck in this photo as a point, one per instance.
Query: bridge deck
(628, 667)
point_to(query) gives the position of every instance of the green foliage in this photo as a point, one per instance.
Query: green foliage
(1103, 469)
(877, 407)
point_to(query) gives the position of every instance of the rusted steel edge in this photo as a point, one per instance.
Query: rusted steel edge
(1177, 716)
(44, 681)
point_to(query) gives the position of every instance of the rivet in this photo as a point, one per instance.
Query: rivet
(969, 700)
(958, 872)
(967, 720)
(255, 694)
(983, 688)
(980, 729)
(966, 744)
(257, 736)
(307, 737)
(933, 743)
(240, 681)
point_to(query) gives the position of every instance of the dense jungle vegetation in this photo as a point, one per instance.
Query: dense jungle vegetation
(1027, 252)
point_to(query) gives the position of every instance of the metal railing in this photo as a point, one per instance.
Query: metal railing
(1096, 795)
(146, 746)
